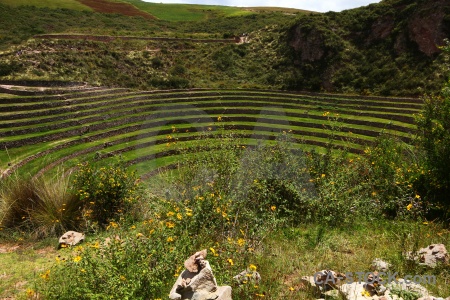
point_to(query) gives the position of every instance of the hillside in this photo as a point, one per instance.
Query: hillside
(284, 142)
(390, 48)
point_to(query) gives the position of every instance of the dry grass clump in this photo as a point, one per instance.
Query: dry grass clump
(42, 207)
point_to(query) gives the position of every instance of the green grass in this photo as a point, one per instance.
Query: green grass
(52, 4)
(287, 255)
(23, 266)
(231, 105)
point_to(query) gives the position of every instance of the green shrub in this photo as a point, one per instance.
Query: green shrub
(106, 192)
(392, 166)
(434, 136)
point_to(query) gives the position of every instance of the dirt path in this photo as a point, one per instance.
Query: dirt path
(109, 38)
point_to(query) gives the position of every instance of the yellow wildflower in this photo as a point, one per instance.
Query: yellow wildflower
(30, 293)
(113, 225)
(241, 242)
(273, 208)
(213, 251)
(409, 206)
(230, 261)
(170, 224)
(77, 258)
(252, 267)
(170, 239)
(46, 275)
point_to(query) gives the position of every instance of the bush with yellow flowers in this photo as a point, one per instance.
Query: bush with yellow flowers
(106, 192)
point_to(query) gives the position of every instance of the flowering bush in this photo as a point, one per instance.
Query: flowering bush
(106, 192)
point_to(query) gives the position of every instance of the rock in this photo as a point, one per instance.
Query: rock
(248, 275)
(430, 256)
(224, 292)
(433, 254)
(374, 284)
(70, 238)
(380, 265)
(200, 283)
(431, 298)
(191, 264)
(353, 291)
(328, 279)
(331, 295)
(310, 284)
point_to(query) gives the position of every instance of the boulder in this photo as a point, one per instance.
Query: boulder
(433, 254)
(430, 256)
(197, 281)
(70, 238)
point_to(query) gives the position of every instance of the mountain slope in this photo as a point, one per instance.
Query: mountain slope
(385, 48)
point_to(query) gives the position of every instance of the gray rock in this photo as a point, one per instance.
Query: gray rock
(433, 254)
(332, 295)
(353, 291)
(224, 292)
(70, 238)
(380, 265)
(430, 256)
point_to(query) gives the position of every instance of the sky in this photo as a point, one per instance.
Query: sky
(313, 5)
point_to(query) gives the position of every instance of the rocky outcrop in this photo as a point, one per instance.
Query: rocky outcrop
(309, 43)
(366, 285)
(357, 48)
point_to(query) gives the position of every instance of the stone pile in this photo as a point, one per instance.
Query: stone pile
(330, 284)
(197, 281)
